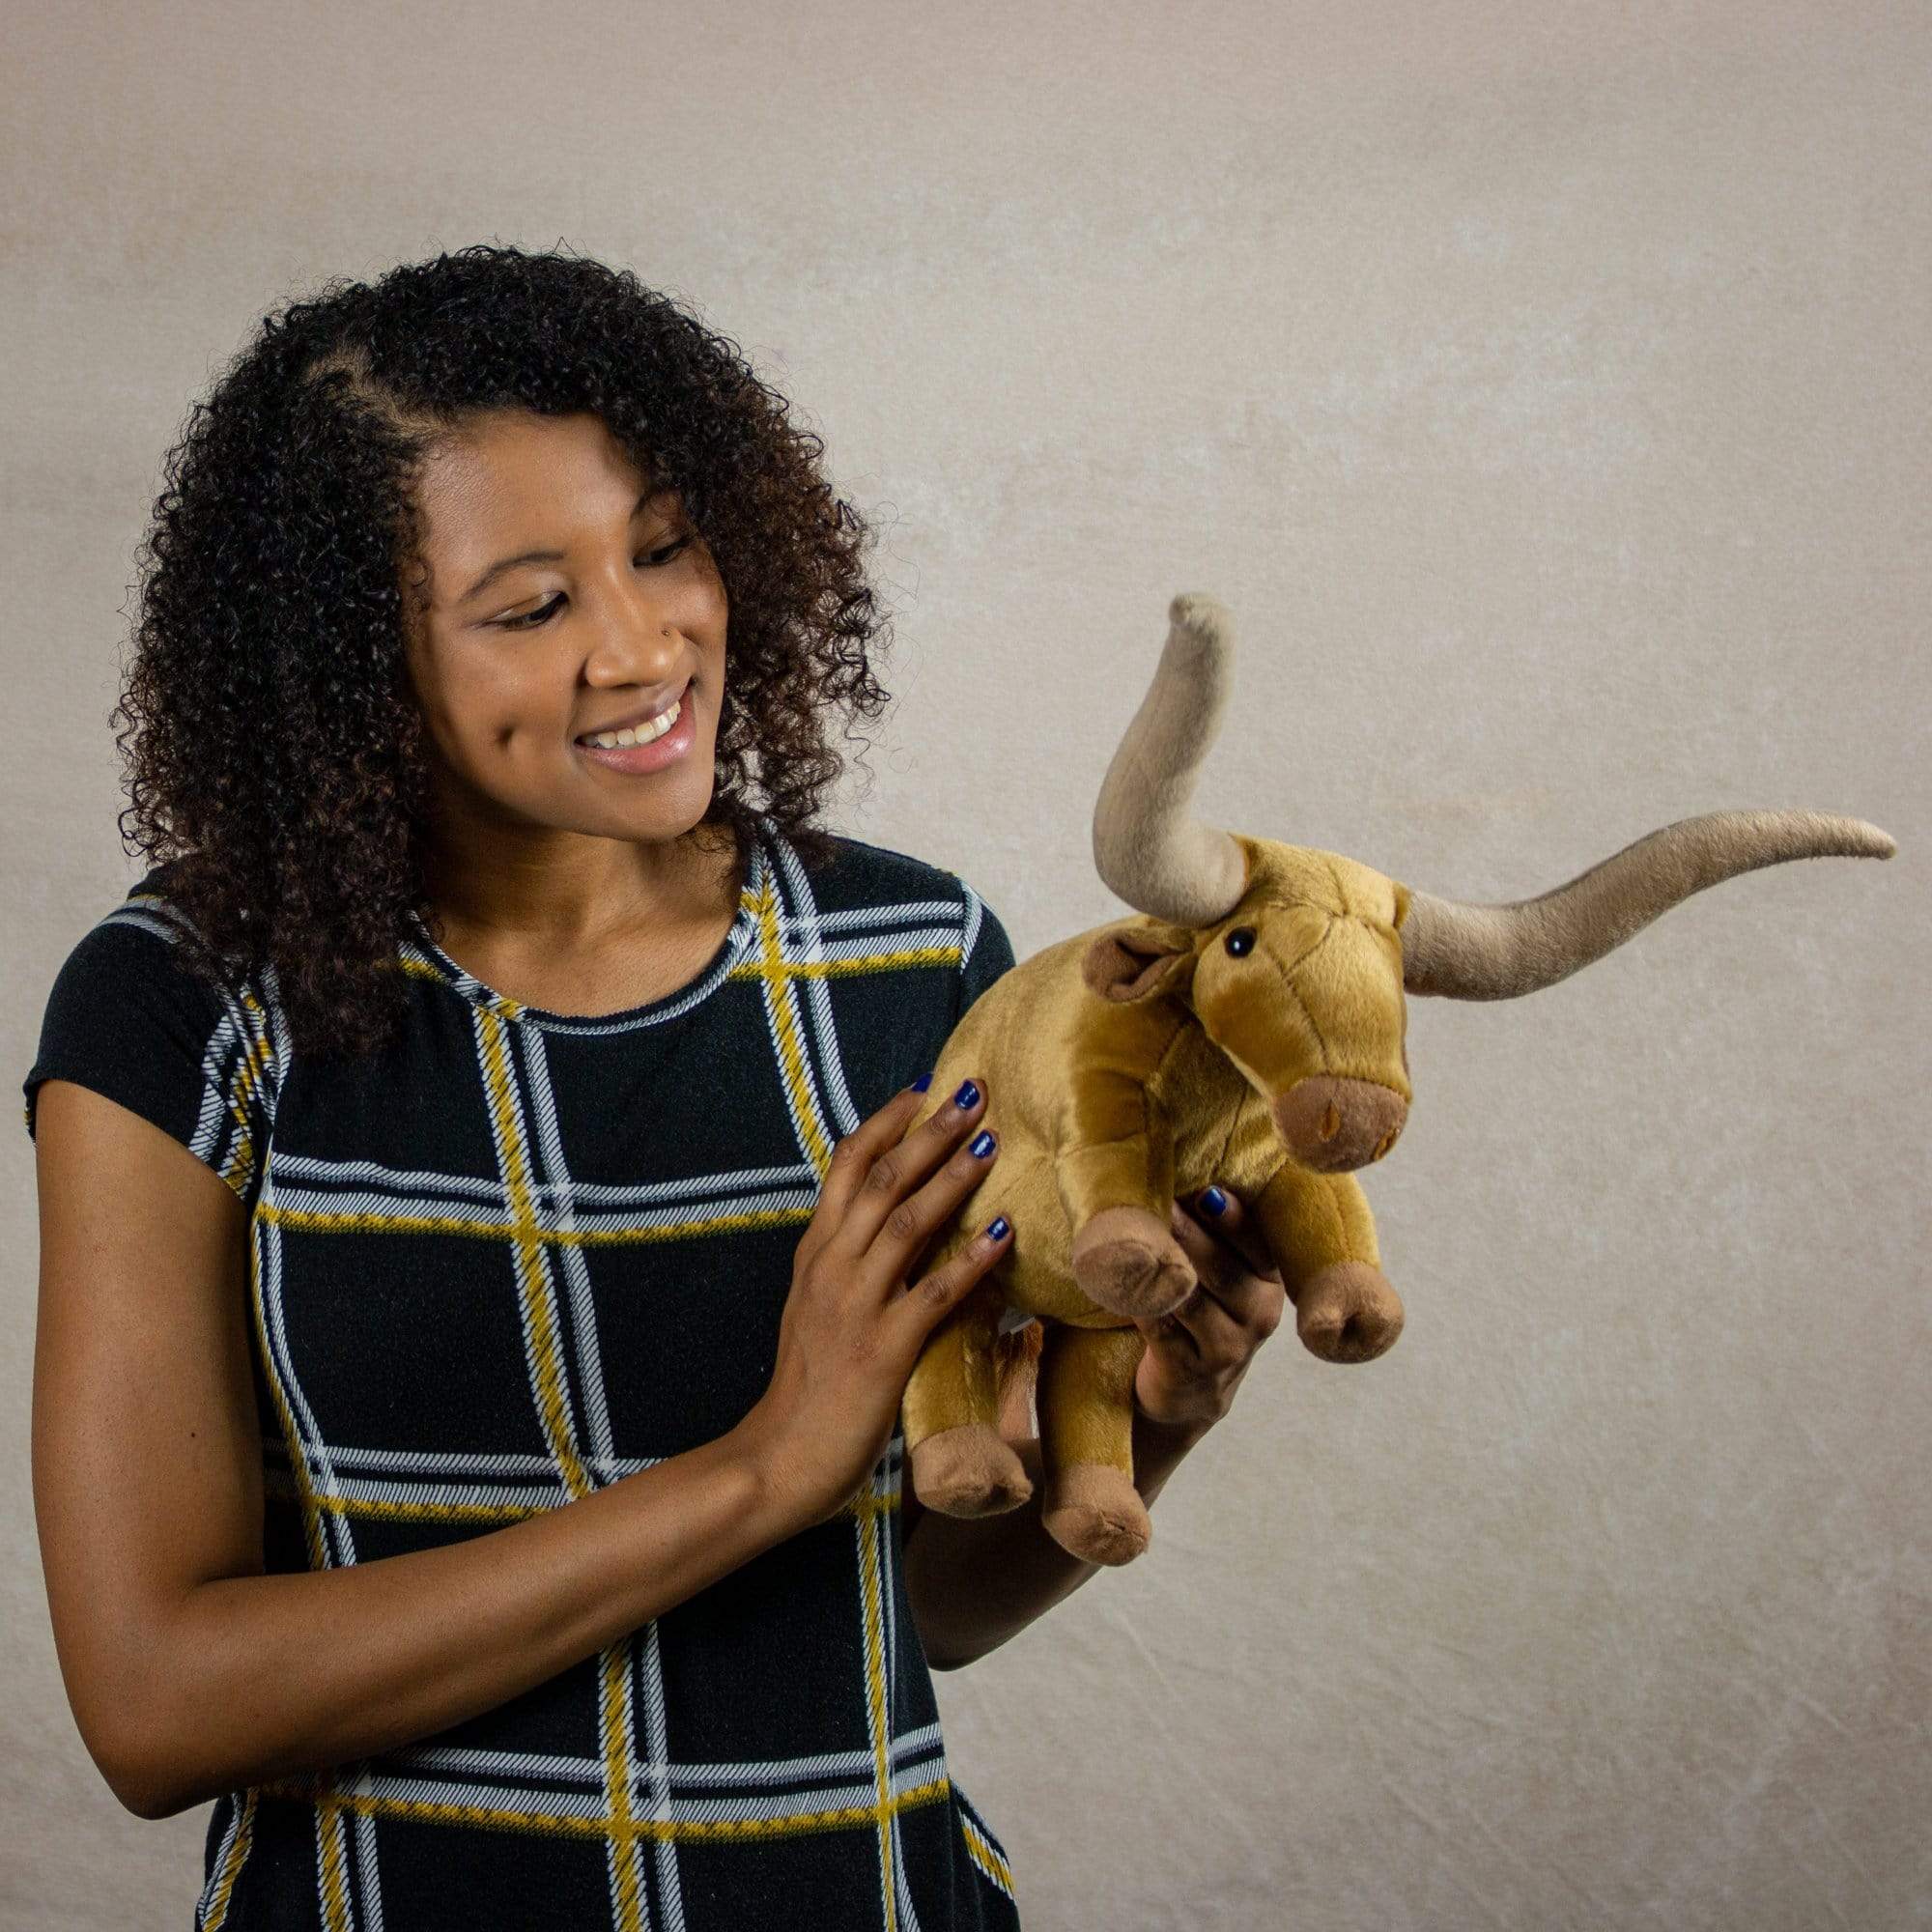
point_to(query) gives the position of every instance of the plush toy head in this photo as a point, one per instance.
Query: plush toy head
(1247, 1027)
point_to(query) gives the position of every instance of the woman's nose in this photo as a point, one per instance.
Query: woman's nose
(637, 635)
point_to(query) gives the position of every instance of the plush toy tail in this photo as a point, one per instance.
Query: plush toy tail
(1015, 1374)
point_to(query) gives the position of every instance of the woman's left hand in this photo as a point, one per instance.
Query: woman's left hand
(1197, 1355)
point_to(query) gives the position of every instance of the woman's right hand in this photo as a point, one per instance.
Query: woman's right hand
(852, 1328)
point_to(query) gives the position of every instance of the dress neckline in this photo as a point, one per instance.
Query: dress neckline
(743, 930)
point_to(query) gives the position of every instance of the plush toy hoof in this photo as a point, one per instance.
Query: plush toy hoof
(1093, 1511)
(1348, 1313)
(968, 1472)
(1127, 1263)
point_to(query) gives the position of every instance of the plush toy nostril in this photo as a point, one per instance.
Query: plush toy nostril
(1334, 1125)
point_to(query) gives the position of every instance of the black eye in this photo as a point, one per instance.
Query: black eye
(1241, 940)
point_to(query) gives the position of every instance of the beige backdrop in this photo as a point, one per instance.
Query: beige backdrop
(1545, 390)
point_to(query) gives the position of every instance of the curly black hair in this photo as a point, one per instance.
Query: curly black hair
(278, 764)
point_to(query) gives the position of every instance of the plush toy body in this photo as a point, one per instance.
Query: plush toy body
(1248, 1028)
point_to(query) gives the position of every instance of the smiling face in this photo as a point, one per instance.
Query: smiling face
(516, 655)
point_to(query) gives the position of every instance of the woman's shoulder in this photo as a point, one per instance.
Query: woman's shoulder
(924, 893)
(883, 872)
(128, 1018)
(140, 937)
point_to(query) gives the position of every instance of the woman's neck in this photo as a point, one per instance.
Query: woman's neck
(591, 901)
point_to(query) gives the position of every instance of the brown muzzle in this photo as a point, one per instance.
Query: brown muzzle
(1333, 1126)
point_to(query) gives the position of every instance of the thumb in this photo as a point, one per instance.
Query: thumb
(1234, 1226)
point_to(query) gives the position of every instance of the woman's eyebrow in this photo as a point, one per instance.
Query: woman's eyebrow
(504, 563)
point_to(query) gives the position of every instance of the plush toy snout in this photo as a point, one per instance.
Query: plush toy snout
(1334, 1125)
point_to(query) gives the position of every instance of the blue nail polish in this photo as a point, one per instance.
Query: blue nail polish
(981, 1144)
(998, 1229)
(966, 1095)
(1214, 1201)
(923, 1081)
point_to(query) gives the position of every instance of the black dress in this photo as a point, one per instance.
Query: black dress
(517, 1257)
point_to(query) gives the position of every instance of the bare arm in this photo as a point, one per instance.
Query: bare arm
(189, 1670)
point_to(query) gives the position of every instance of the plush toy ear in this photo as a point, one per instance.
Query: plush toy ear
(1132, 963)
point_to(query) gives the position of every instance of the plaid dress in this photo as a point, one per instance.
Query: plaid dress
(514, 1258)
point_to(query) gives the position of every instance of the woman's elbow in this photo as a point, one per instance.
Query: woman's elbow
(131, 1776)
(137, 1760)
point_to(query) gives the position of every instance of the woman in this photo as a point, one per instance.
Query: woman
(506, 1526)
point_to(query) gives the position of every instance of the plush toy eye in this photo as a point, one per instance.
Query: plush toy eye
(1241, 940)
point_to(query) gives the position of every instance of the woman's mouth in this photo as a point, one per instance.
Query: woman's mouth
(654, 754)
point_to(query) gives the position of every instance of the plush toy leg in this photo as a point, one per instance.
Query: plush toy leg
(1086, 1399)
(961, 1465)
(1319, 1228)
(1116, 1179)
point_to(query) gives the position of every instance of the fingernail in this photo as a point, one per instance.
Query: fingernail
(966, 1095)
(923, 1081)
(981, 1144)
(996, 1231)
(1214, 1201)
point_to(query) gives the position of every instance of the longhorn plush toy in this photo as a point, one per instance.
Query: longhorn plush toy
(1247, 1027)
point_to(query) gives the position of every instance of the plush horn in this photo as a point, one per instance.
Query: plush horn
(1500, 952)
(1148, 846)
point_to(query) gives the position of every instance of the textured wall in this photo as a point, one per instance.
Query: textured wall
(1543, 388)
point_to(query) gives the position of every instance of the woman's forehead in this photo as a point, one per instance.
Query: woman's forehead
(513, 460)
(534, 485)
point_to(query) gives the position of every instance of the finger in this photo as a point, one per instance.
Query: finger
(1207, 1316)
(1252, 1294)
(1169, 1331)
(1181, 1330)
(1239, 1229)
(905, 1223)
(932, 1297)
(853, 1156)
(1210, 1259)
(894, 1170)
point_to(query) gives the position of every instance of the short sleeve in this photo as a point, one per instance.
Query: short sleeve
(986, 951)
(127, 1019)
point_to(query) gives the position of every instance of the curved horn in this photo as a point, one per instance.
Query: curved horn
(1149, 848)
(1499, 951)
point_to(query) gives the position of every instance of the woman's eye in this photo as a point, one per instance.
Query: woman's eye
(669, 550)
(532, 618)
(543, 614)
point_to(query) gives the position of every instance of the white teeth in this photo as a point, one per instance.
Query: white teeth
(638, 734)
